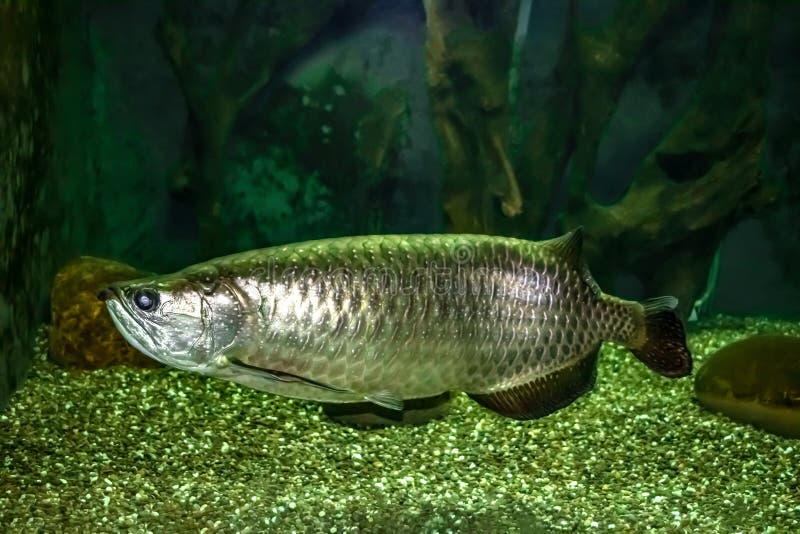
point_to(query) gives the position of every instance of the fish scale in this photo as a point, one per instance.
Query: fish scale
(516, 324)
(425, 335)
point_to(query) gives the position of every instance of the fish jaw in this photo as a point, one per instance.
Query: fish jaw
(134, 331)
(131, 330)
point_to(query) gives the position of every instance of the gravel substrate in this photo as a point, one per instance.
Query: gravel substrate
(164, 450)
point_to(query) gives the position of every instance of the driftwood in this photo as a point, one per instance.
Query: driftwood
(701, 178)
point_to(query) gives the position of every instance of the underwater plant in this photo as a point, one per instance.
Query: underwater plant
(233, 75)
(224, 56)
(275, 202)
(355, 138)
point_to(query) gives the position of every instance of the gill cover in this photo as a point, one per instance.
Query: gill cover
(222, 316)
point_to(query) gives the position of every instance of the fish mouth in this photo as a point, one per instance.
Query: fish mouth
(128, 324)
(107, 293)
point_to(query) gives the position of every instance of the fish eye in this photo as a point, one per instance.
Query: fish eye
(145, 299)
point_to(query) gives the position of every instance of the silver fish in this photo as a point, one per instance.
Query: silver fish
(515, 324)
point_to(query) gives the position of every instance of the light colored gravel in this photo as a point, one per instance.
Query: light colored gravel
(164, 450)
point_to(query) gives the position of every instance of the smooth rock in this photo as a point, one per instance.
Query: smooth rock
(755, 380)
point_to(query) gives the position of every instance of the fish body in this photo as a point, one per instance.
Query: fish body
(516, 324)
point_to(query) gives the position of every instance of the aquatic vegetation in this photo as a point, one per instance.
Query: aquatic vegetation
(222, 68)
(81, 333)
(317, 153)
(275, 201)
(755, 380)
(355, 138)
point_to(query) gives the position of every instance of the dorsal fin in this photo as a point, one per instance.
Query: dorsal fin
(569, 246)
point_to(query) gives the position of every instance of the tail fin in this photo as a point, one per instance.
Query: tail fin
(664, 349)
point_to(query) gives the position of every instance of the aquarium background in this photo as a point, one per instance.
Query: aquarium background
(164, 133)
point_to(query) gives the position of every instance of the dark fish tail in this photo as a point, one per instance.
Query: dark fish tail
(660, 342)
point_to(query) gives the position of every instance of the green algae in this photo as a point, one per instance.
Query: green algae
(755, 380)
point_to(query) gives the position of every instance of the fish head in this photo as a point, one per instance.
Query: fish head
(175, 319)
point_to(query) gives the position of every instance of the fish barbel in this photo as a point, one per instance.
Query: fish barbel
(515, 324)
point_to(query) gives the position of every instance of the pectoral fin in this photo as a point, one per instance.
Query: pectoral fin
(291, 385)
(280, 376)
(282, 383)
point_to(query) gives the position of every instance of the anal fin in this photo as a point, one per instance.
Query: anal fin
(545, 394)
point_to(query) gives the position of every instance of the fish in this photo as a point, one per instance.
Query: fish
(755, 380)
(515, 324)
